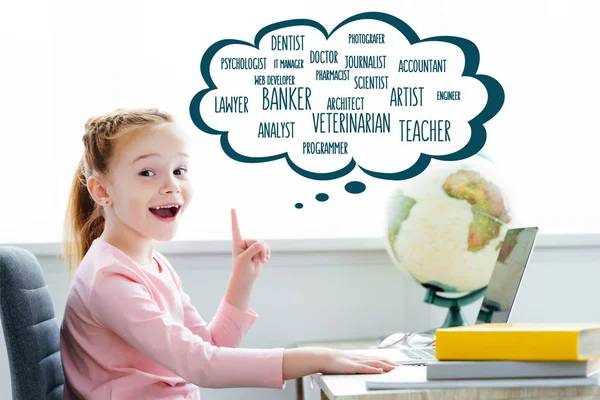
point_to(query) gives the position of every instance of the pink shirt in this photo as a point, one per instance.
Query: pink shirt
(131, 333)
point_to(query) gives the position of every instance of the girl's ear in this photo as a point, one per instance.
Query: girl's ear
(98, 191)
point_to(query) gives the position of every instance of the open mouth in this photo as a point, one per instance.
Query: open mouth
(165, 212)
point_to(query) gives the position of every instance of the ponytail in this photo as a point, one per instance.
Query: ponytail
(84, 220)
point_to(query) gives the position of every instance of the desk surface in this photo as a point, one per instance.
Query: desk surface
(352, 387)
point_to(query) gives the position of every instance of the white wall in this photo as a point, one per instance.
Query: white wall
(78, 59)
(334, 294)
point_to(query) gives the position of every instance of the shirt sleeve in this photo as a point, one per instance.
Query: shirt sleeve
(122, 303)
(229, 324)
(227, 328)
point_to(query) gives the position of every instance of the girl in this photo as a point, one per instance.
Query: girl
(129, 328)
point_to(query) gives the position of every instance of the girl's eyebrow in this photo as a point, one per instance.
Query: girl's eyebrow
(154, 154)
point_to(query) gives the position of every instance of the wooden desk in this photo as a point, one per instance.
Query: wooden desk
(352, 387)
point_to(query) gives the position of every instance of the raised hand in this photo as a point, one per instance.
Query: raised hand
(248, 254)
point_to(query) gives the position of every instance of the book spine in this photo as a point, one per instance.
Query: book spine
(507, 345)
(505, 369)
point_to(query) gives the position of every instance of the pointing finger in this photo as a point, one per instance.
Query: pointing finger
(236, 236)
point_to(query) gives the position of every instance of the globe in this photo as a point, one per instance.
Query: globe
(445, 228)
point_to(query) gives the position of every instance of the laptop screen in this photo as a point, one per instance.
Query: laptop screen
(506, 277)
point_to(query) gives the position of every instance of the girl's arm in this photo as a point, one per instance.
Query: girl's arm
(226, 329)
(119, 302)
(299, 362)
(230, 322)
(239, 291)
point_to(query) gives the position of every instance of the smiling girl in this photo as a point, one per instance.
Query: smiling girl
(129, 328)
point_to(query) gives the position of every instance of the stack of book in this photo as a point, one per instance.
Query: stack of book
(505, 355)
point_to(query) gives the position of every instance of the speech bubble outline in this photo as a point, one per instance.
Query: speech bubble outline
(471, 53)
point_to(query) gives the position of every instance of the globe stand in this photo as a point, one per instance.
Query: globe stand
(455, 316)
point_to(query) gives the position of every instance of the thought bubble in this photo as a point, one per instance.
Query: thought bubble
(370, 94)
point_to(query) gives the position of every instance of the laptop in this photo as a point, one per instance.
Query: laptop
(498, 299)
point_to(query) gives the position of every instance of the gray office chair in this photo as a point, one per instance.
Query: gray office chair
(31, 332)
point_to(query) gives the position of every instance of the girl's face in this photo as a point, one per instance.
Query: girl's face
(148, 183)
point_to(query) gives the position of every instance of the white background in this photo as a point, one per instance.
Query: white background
(64, 61)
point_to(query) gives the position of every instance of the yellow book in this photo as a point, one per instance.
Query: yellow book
(519, 342)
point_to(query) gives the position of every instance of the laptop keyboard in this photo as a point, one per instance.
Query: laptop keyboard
(420, 354)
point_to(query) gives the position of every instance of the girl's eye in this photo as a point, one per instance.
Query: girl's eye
(181, 169)
(147, 170)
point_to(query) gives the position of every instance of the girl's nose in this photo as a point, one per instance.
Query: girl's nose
(170, 187)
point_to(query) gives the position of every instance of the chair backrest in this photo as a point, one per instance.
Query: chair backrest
(31, 332)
